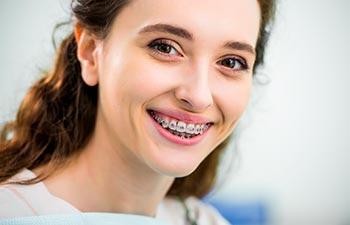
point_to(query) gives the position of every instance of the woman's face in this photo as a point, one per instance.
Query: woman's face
(174, 78)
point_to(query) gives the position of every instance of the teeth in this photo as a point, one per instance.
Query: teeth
(203, 128)
(190, 128)
(165, 123)
(198, 129)
(181, 126)
(173, 124)
(158, 118)
(206, 126)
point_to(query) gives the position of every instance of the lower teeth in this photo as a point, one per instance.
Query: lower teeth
(182, 135)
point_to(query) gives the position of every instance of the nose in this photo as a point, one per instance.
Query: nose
(194, 93)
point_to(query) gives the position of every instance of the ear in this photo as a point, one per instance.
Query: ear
(87, 53)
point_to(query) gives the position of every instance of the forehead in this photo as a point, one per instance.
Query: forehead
(207, 20)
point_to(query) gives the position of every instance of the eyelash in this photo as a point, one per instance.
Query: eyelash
(154, 45)
(242, 63)
(165, 43)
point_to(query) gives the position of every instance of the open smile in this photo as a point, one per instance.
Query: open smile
(179, 131)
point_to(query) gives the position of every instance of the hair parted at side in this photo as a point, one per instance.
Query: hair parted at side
(57, 116)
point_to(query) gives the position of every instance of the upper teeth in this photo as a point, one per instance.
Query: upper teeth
(181, 126)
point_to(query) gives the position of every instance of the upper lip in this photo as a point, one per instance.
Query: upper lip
(182, 116)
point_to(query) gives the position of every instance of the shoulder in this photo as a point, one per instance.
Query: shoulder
(12, 203)
(174, 210)
(29, 200)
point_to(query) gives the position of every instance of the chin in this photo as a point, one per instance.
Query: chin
(176, 168)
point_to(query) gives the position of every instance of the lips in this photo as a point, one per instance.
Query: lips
(179, 127)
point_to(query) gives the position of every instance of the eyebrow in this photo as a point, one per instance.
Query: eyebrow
(183, 33)
(167, 28)
(236, 45)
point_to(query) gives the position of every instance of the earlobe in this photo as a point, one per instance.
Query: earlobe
(87, 54)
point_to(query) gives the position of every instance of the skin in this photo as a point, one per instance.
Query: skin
(128, 166)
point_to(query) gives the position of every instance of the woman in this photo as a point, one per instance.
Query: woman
(137, 110)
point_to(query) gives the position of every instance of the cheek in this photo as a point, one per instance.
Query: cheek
(147, 79)
(233, 99)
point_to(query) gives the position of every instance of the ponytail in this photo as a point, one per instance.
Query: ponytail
(55, 119)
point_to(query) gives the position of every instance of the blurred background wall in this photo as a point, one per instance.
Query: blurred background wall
(293, 159)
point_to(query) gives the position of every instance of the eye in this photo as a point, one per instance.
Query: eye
(164, 47)
(234, 63)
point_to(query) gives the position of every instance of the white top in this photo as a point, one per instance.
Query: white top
(23, 200)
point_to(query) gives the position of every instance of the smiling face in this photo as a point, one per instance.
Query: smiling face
(174, 78)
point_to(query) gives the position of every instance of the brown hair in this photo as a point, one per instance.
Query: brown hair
(57, 116)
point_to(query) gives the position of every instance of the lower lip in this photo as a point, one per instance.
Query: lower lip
(176, 139)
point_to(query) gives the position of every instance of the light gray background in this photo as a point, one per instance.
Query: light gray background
(294, 153)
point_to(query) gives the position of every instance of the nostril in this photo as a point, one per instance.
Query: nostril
(194, 99)
(186, 102)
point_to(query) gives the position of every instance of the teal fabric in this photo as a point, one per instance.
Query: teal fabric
(85, 219)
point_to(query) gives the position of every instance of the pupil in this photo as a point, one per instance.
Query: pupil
(229, 63)
(164, 48)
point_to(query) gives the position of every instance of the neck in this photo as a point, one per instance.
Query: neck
(103, 179)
